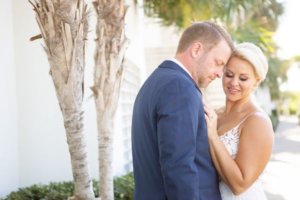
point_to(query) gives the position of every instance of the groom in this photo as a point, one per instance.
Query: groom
(170, 150)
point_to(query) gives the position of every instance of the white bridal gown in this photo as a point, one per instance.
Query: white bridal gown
(231, 140)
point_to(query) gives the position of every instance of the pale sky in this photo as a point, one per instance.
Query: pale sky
(288, 39)
(288, 32)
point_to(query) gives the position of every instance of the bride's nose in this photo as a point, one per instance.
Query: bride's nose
(234, 81)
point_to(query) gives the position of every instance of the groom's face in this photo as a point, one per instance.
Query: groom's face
(210, 63)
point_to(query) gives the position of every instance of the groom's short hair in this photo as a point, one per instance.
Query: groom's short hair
(206, 32)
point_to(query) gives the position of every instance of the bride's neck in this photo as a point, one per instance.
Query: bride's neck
(238, 106)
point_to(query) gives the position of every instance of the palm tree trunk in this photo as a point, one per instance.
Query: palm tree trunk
(111, 45)
(64, 26)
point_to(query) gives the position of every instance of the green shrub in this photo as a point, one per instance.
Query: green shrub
(274, 119)
(123, 189)
(53, 191)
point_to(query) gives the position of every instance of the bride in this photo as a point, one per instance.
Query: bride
(241, 134)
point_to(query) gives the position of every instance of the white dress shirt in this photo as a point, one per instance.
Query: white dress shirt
(181, 65)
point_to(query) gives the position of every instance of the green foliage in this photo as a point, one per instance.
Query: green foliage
(53, 191)
(293, 108)
(296, 59)
(290, 103)
(123, 189)
(174, 12)
(247, 20)
(277, 74)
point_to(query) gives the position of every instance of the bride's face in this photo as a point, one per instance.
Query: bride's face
(239, 79)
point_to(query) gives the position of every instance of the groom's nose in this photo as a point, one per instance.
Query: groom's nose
(219, 73)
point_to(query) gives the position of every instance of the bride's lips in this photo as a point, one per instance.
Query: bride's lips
(232, 90)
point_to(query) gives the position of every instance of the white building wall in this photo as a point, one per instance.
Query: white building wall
(8, 106)
(122, 143)
(160, 43)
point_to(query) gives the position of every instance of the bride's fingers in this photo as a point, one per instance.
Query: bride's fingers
(207, 110)
(210, 114)
(206, 118)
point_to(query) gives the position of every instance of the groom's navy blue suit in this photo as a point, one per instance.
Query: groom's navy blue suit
(170, 147)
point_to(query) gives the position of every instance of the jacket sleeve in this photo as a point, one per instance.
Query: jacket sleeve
(178, 112)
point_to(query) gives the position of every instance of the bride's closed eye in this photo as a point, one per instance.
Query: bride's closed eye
(231, 75)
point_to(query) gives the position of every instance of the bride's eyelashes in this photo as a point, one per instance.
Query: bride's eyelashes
(231, 75)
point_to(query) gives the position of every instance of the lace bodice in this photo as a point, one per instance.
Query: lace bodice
(230, 139)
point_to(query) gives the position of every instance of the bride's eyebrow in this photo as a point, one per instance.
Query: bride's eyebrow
(227, 70)
(245, 75)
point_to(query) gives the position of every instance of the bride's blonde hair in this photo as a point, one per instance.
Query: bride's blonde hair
(254, 55)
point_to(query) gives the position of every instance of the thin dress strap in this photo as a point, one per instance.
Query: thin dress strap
(236, 127)
(245, 118)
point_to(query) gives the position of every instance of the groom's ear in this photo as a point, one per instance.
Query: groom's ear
(197, 49)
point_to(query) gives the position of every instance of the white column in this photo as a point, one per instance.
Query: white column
(8, 106)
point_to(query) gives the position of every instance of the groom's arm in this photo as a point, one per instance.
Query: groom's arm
(177, 129)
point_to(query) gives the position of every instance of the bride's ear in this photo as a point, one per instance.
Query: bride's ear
(256, 84)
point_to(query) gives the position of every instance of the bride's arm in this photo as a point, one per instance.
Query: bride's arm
(213, 135)
(255, 147)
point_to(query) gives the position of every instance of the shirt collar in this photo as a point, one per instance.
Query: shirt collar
(180, 65)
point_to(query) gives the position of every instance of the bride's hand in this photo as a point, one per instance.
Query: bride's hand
(211, 120)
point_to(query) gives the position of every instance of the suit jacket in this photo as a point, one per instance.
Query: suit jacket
(171, 158)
